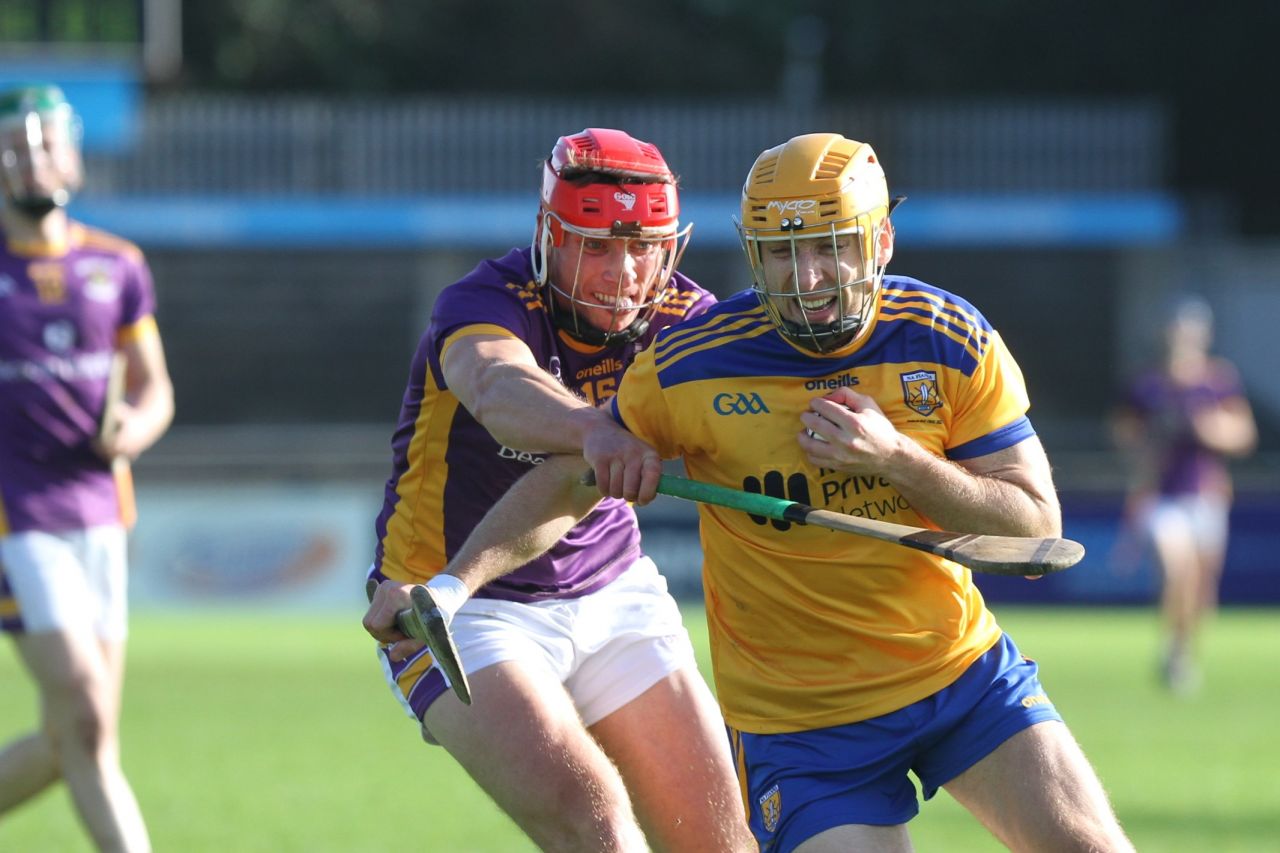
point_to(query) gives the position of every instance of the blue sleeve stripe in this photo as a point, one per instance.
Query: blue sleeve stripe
(1006, 436)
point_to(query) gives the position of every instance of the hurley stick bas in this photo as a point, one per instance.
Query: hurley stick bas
(424, 622)
(109, 426)
(997, 555)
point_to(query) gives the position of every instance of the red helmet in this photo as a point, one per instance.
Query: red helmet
(643, 194)
(603, 184)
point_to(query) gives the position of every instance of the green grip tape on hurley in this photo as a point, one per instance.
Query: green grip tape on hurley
(709, 493)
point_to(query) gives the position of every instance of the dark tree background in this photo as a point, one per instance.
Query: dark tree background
(1213, 64)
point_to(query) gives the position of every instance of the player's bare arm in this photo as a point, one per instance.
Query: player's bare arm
(147, 408)
(521, 405)
(531, 517)
(1227, 428)
(524, 407)
(1009, 492)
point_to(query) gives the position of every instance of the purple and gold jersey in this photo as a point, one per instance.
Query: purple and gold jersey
(1166, 409)
(810, 627)
(64, 310)
(448, 471)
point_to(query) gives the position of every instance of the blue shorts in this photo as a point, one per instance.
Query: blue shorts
(799, 784)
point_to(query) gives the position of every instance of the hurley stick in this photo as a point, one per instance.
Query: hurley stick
(424, 622)
(997, 555)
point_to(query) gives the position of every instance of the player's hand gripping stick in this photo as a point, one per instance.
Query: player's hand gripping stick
(424, 622)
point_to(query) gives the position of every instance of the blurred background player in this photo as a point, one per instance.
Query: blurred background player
(71, 298)
(1181, 420)
(841, 662)
(589, 712)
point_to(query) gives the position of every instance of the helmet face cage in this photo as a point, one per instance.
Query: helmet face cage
(654, 252)
(815, 229)
(844, 252)
(617, 197)
(40, 165)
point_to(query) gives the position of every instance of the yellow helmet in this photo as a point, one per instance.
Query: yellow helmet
(826, 188)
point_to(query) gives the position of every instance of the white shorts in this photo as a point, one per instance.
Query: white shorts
(1202, 518)
(606, 648)
(73, 580)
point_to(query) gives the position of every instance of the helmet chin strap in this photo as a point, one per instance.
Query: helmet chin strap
(35, 208)
(825, 338)
(586, 333)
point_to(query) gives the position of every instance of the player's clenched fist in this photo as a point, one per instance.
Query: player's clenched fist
(389, 598)
(846, 430)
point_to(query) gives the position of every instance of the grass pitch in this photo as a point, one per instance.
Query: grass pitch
(251, 732)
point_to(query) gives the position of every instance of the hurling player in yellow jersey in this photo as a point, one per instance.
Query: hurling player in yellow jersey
(843, 663)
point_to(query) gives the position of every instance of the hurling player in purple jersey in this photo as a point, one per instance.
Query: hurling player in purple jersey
(1180, 421)
(72, 301)
(590, 724)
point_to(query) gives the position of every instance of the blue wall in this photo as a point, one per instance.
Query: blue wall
(1250, 576)
(106, 94)
(454, 221)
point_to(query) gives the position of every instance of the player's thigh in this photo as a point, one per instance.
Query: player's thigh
(523, 742)
(692, 744)
(670, 746)
(1037, 791)
(74, 681)
(1209, 524)
(862, 838)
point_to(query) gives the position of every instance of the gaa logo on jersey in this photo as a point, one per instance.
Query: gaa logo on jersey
(739, 404)
(771, 808)
(920, 391)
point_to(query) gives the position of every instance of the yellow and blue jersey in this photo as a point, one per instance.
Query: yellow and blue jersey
(810, 627)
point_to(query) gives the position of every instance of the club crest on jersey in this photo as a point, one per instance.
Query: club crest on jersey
(101, 288)
(771, 808)
(627, 200)
(920, 391)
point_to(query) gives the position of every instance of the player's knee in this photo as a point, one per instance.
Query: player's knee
(597, 816)
(615, 832)
(1080, 832)
(81, 726)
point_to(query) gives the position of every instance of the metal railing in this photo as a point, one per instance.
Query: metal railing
(218, 144)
